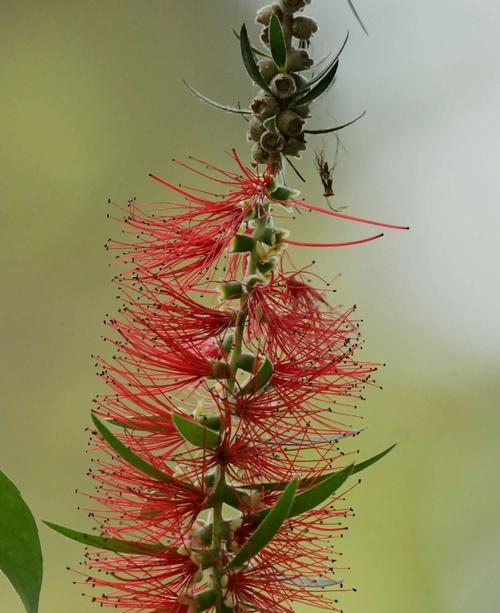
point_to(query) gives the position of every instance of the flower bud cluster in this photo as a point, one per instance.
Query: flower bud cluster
(277, 125)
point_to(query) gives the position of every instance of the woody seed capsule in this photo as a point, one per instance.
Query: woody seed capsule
(292, 6)
(298, 59)
(283, 85)
(260, 155)
(304, 27)
(264, 14)
(264, 36)
(268, 69)
(255, 129)
(264, 106)
(294, 146)
(290, 123)
(272, 141)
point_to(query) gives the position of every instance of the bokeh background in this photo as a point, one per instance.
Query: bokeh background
(92, 99)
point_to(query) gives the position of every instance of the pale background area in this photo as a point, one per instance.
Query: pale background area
(91, 100)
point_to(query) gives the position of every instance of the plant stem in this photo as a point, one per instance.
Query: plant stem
(220, 482)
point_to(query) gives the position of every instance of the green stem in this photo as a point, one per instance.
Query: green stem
(220, 482)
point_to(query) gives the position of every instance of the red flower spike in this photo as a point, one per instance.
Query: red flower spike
(177, 349)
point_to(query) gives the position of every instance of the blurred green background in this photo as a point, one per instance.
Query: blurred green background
(92, 99)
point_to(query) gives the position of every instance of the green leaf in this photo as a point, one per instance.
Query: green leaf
(132, 458)
(217, 105)
(205, 600)
(196, 434)
(336, 128)
(249, 61)
(315, 495)
(367, 463)
(233, 497)
(254, 49)
(358, 18)
(320, 582)
(277, 42)
(325, 70)
(20, 551)
(280, 485)
(268, 528)
(109, 544)
(320, 88)
(260, 379)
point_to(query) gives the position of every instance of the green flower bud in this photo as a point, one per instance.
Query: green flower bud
(255, 129)
(304, 27)
(252, 280)
(220, 370)
(298, 59)
(231, 290)
(290, 123)
(264, 106)
(272, 141)
(268, 69)
(292, 6)
(284, 86)
(264, 14)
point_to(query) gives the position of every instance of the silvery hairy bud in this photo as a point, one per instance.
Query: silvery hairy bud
(283, 85)
(304, 27)
(264, 106)
(298, 59)
(294, 146)
(255, 129)
(268, 69)
(264, 14)
(290, 123)
(272, 141)
(292, 6)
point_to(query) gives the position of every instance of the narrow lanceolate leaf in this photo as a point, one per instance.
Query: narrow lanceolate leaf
(277, 42)
(262, 377)
(358, 18)
(268, 528)
(320, 88)
(317, 494)
(196, 434)
(325, 70)
(205, 600)
(109, 544)
(280, 485)
(132, 458)
(217, 105)
(336, 128)
(249, 60)
(20, 551)
(310, 581)
(367, 463)
(254, 49)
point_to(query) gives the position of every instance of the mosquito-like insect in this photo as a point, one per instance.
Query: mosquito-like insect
(326, 171)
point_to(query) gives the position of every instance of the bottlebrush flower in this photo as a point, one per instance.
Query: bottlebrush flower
(233, 383)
